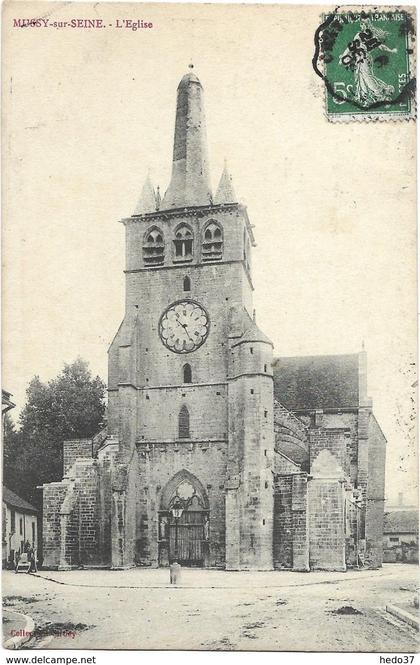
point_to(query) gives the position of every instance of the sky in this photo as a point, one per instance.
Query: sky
(89, 112)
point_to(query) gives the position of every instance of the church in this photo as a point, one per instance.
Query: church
(216, 452)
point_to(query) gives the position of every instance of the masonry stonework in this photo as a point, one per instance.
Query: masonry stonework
(215, 454)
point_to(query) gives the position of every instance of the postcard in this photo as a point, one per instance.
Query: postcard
(209, 327)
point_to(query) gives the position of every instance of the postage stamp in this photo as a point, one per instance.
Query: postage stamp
(366, 60)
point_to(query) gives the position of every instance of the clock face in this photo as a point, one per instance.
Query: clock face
(184, 326)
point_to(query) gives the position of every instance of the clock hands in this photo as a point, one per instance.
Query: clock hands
(184, 325)
(185, 328)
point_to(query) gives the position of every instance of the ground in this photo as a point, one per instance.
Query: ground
(219, 610)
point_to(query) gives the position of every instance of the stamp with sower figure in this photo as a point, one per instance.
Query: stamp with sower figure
(366, 60)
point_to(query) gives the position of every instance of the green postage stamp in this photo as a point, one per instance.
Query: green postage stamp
(366, 60)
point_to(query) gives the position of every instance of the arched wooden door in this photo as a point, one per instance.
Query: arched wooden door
(187, 535)
(184, 521)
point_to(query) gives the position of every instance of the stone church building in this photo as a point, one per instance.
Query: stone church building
(216, 452)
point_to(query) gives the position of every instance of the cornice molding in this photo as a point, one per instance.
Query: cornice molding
(191, 211)
(178, 442)
(250, 374)
(177, 386)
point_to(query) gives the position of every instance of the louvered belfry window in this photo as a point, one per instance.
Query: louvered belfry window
(183, 242)
(153, 248)
(212, 249)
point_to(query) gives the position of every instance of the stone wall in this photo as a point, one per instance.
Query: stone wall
(336, 442)
(300, 522)
(354, 545)
(326, 525)
(75, 449)
(53, 497)
(290, 532)
(283, 523)
(375, 495)
(158, 412)
(88, 523)
(105, 468)
(76, 514)
(326, 497)
(283, 465)
(363, 459)
(347, 420)
(70, 532)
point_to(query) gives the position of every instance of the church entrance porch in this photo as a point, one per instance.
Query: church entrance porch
(184, 522)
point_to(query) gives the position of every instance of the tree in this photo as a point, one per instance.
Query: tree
(70, 406)
(11, 450)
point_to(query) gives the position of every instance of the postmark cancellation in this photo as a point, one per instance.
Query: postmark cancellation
(366, 59)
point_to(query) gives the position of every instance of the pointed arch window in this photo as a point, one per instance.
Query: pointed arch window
(183, 243)
(187, 373)
(184, 423)
(187, 283)
(212, 249)
(153, 247)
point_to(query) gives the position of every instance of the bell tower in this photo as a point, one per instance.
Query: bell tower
(188, 298)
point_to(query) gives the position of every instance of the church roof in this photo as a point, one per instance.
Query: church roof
(15, 501)
(317, 382)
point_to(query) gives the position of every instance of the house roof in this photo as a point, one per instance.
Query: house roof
(317, 382)
(401, 521)
(6, 402)
(15, 501)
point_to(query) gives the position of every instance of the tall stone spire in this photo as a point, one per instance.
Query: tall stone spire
(147, 200)
(190, 181)
(225, 192)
